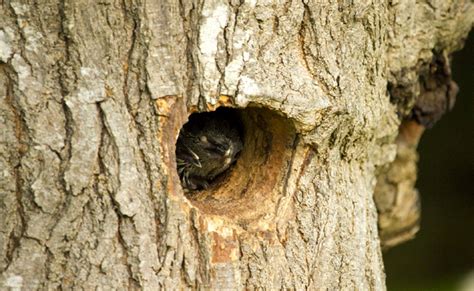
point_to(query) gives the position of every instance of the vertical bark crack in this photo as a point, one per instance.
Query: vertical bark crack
(17, 151)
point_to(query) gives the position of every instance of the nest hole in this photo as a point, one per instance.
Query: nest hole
(250, 186)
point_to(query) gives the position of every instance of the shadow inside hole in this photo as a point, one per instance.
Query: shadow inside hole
(250, 188)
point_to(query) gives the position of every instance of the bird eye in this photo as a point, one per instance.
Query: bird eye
(217, 148)
(212, 145)
(222, 149)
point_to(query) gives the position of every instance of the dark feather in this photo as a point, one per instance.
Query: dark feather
(206, 147)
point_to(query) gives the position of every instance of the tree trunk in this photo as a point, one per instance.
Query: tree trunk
(92, 98)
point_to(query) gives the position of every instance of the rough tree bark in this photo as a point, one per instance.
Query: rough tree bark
(92, 97)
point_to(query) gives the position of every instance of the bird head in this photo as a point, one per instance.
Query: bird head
(221, 148)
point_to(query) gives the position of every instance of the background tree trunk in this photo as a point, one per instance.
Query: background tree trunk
(92, 97)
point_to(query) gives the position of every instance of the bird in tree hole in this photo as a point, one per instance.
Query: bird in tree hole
(207, 146)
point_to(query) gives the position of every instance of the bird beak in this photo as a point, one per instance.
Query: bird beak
(195, 160)
(196, 163)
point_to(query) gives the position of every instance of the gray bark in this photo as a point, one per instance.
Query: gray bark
(92, 97)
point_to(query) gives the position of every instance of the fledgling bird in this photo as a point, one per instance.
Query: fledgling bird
(207, 146)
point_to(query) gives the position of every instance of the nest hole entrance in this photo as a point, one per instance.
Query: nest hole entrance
(249, 187)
